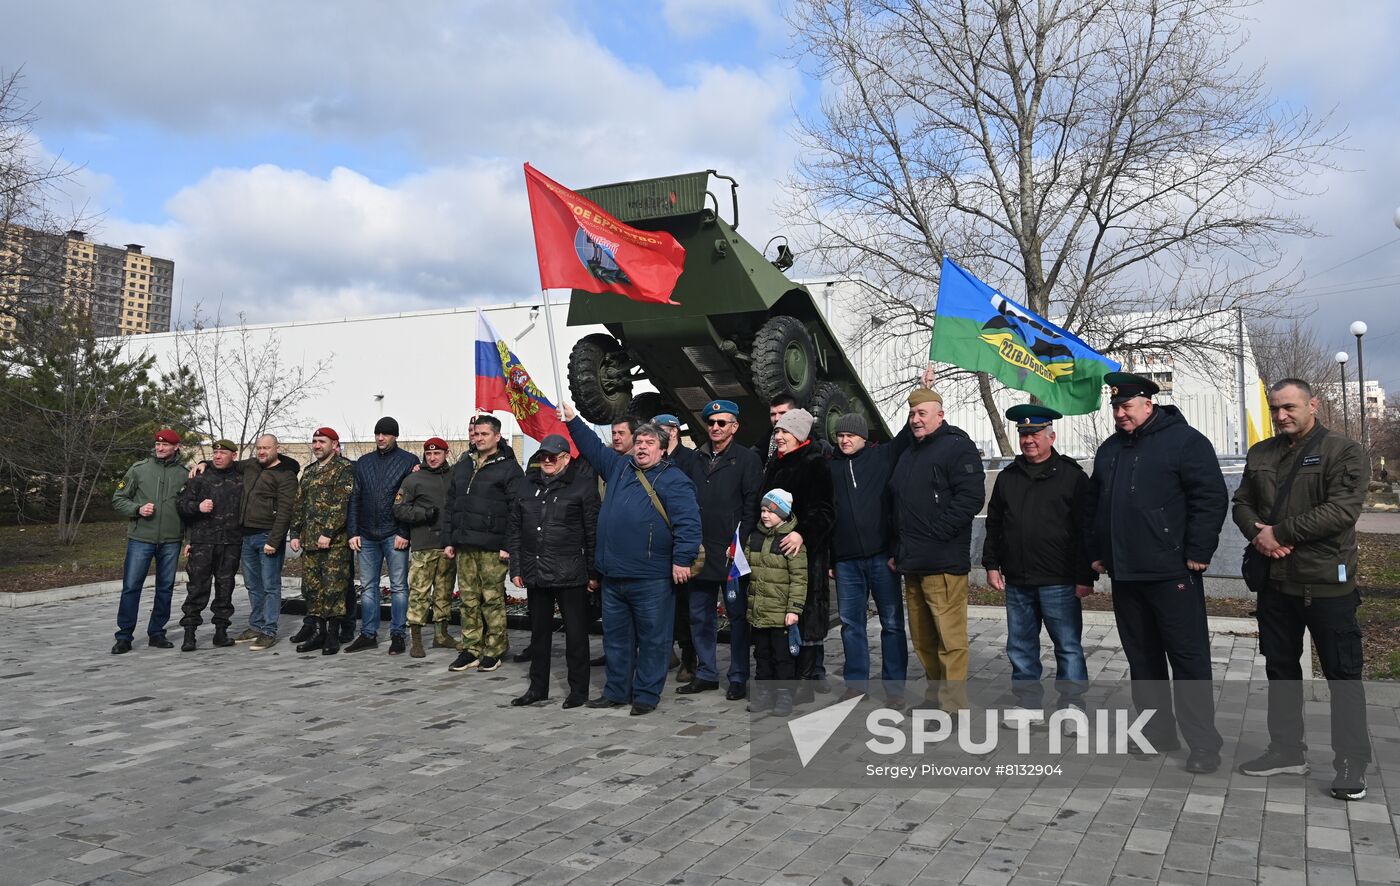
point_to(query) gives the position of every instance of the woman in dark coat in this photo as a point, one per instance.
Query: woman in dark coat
(799, 466)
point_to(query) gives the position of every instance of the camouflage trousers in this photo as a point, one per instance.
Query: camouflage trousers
(481, 578)
(323, 578)
(430, 580)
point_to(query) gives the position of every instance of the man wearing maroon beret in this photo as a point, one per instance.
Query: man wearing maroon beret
(419, 504)
(147, 495)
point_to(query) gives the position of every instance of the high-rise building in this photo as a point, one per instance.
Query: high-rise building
(126, 291)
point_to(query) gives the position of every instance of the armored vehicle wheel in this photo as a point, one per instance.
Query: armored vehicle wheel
(784, 360)
(649, 404)
(598, 379)
(828, 404)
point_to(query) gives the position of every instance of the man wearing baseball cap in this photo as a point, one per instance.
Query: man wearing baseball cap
(320, 516)
(1160, 501)
(210, 506)
(147, 495)
(419, 504)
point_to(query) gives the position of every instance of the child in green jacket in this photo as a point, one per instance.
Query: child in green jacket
(777, 592)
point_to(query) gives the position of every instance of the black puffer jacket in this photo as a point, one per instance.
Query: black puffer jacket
(1037, 523)
(861, 485)
(727, 488)
(219, 526)
(478, 500)
(553, 526)
(936, 491)
(1159, 499)
(803, 472)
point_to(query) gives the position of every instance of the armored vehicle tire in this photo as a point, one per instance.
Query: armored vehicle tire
(649, 404)
(784, 361)
(598, 380)
(828, 404)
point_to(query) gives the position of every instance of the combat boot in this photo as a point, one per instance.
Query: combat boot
(442, 639)
(415, 642)
(189, 644)
(306, 632)
(330, 645)
(317, 639)
(221, 637)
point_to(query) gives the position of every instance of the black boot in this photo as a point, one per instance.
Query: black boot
(317, 638)
(306, 632)
(221, 637)
(330, 643)
(189, 644)
(782, 702)
(347, 630)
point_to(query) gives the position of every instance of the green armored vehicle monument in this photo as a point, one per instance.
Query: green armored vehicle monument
(742, 331)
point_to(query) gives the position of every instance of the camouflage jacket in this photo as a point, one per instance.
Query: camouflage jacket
(219, 526)
(323, 501)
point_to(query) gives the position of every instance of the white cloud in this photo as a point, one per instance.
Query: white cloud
(698, 18)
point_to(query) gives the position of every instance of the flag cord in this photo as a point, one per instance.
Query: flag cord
(553, 354)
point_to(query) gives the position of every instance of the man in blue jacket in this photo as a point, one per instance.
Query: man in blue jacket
(376, 535)
(1160, 500)
(648, 537)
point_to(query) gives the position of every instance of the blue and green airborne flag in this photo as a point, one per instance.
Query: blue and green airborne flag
(978, 328)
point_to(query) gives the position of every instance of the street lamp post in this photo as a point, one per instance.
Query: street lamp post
(1358, 329)
(1342, 358)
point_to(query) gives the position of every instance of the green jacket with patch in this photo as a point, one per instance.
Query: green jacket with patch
(159, 482)
(419, 503)
(1319, 519)
(778, 583)
(322, 505)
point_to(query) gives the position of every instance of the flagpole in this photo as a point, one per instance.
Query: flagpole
(553, 353)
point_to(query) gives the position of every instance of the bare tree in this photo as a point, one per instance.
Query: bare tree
(250, 387)
(1104, 160)
(1290, 349)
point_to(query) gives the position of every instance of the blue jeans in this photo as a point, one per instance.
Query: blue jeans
(704, 630)
(139, 555)
(372, 555)
(1055, 606)
(638, 625)
(857, 580)
(262, 576)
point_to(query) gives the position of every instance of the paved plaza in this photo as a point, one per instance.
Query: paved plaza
(233, 766)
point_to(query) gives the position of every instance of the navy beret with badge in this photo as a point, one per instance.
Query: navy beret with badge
(1124, 386)
(1031, 418)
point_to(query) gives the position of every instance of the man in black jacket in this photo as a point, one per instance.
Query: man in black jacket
(727, 480)
(936, 491)
(551, 534)
(1159, 502)
(474, 534)
(209, 503)
(1034, 552)
(269, 491)
(378, 537)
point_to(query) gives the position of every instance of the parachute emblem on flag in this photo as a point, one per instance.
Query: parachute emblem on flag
(1025, 344)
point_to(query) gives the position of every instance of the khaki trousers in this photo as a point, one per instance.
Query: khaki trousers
(937, 607)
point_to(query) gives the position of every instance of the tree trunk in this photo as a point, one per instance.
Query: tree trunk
(984, 386)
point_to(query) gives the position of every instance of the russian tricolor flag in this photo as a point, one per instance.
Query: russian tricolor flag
(503, 384)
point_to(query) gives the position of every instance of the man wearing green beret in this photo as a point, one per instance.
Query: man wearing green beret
(209, 505)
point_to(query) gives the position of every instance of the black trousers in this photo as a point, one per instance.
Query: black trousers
(573, 608)
(210, 564)
(1162, 624)
(1337, 637)
(772, 659)
(681, 625)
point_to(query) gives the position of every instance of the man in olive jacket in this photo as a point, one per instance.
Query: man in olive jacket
(1310, 541)
(269, 491)
(421, 499)
(147, 494)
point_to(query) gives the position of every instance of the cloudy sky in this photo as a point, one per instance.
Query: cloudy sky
(301, 159)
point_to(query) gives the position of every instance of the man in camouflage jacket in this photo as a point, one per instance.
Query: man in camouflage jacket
(209, 504)
(319, 518)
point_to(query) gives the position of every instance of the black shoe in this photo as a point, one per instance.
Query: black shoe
(695, 686)
(598, 662)
(1274, 762)
(640, 709)
(1350, 783)
(782, 702)
(464, 661)
(823, 686)
(488, 663)
(529, 698)
(737, 691)
(524, 655)
(121, 647)
(603, 701)
(221, 637)
(189, 645)
(314, 639)
(159, 642)
(362, 642)
(685, 674)
(760, 700)
(805, 693)
(307, 631)
(330, 643)
(1202, 762)
(574, 700)
(396, 644)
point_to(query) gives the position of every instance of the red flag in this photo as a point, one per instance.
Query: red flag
(582, 247)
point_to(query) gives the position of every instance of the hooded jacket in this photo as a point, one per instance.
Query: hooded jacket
(936, 490)
(378, 475)
(553, 527)
(860, 483)
(478, 500)
(158, 481)
(1037, 519)
(1159, 499)
(419, 503)
(778, 583)
(225, 489)
(634, 540)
